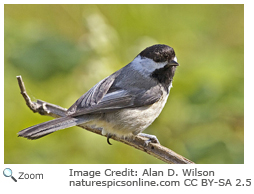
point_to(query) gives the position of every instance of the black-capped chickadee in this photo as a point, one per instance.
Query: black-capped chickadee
(123, 104)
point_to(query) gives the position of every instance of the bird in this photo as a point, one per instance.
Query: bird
(123, 104)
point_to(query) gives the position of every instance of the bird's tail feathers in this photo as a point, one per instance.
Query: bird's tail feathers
(42, 129)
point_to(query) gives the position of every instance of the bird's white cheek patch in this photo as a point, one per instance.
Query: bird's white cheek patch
(146, 65)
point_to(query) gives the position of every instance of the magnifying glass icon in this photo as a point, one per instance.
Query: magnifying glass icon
(8, 173)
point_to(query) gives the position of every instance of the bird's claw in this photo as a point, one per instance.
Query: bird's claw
(108, 137)
(151, 138)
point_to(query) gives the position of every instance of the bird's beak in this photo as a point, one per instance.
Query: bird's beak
(173, 63)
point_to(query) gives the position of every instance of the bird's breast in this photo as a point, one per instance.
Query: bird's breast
(126, 122)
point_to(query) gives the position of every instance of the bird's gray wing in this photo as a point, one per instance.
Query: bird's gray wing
(106, 97)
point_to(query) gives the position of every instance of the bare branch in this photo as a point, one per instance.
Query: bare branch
(154, 149)
(33, 106)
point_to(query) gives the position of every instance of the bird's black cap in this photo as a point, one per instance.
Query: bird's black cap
(159, 53)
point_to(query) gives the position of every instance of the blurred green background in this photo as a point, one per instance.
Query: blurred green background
(61, 51)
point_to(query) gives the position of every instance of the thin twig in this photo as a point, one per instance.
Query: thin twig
(154, 149)
(33, 106)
